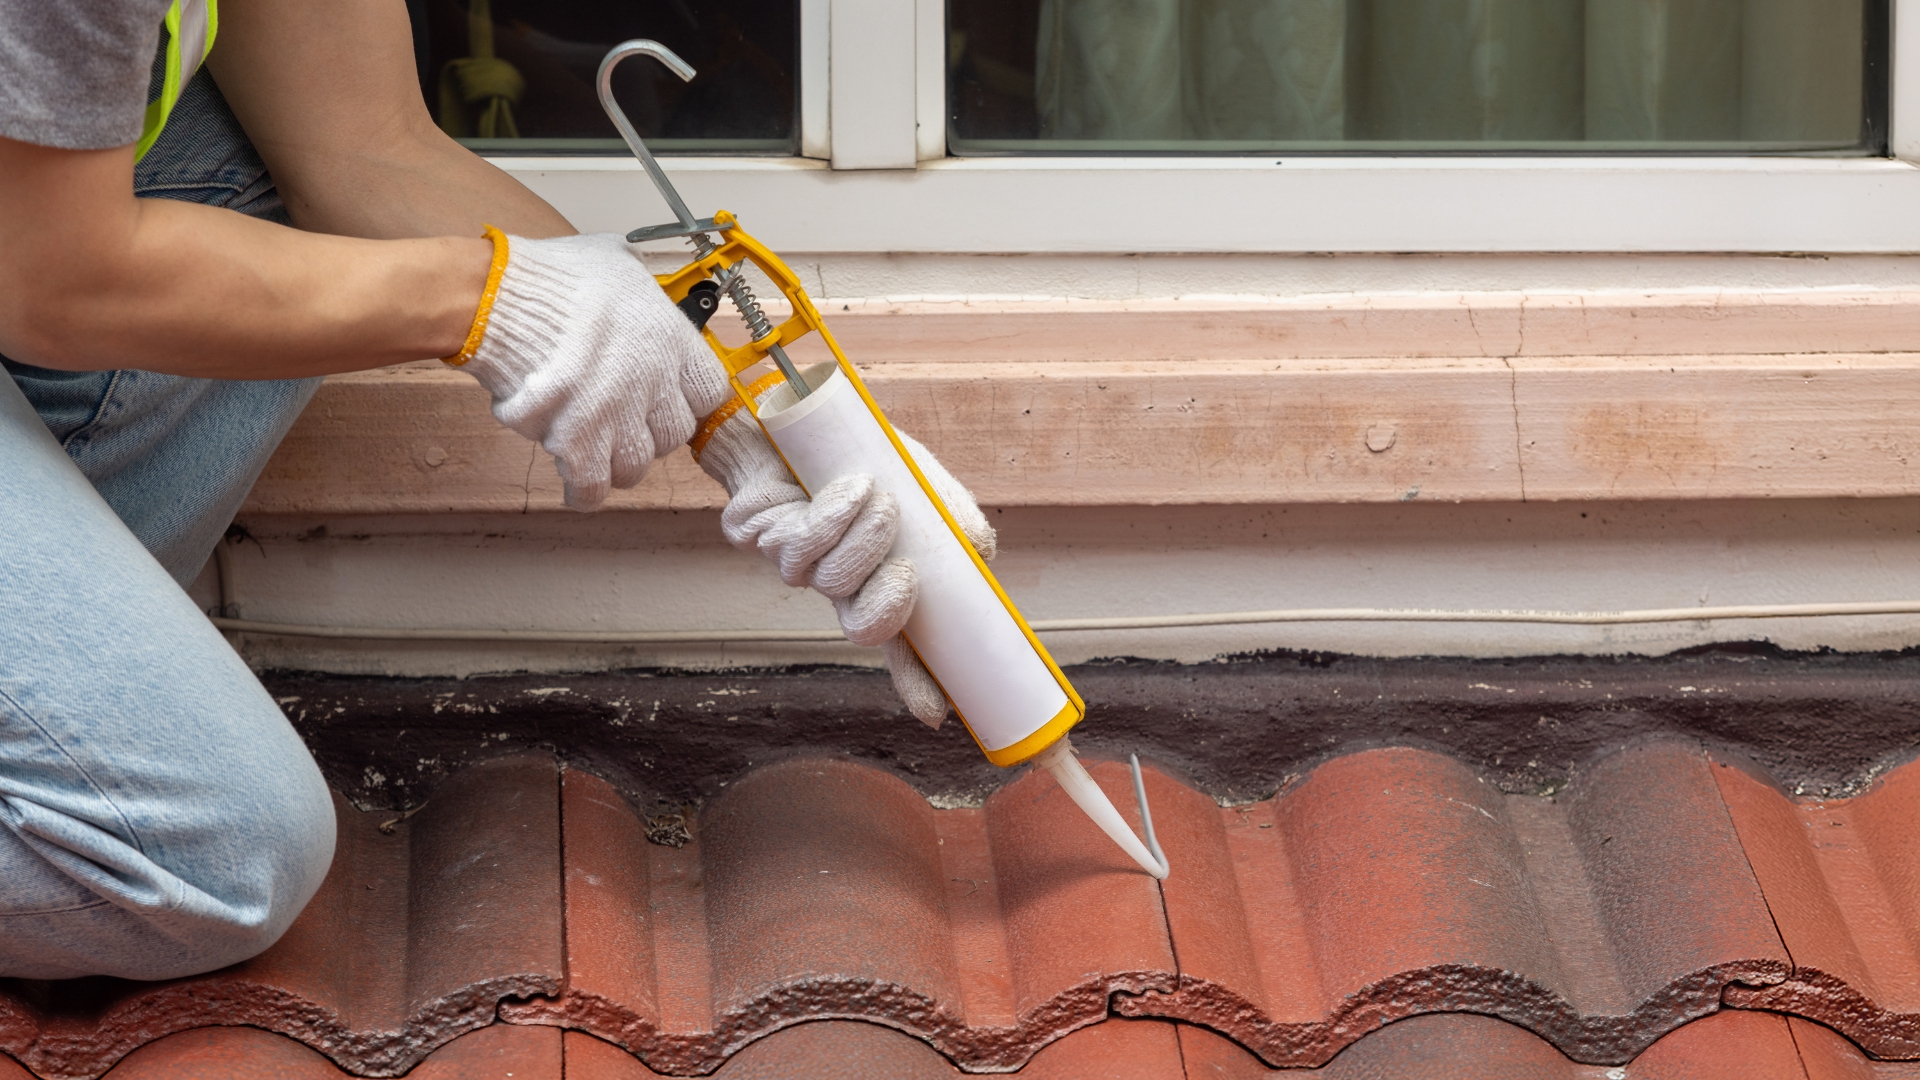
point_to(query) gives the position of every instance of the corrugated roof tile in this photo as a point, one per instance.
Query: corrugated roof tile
(851, 1050)
(497, 1052)
(1842, 879)
(1388, 884)
(1396, 882)
(421, 927)
(1461, 1046)
(823, 888)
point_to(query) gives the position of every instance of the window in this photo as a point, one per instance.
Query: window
(919, 130)
(1265, 76)
(517, 76)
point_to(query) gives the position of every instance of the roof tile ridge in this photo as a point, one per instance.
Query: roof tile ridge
(1729, 1043)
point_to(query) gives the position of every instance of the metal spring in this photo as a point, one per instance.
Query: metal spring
(750, 313)
(734, 281)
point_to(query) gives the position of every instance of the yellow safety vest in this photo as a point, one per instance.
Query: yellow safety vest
(190, 25)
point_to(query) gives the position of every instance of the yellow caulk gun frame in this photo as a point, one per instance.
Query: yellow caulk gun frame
(976, 640)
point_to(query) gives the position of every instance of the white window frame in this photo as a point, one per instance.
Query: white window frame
(873, 176)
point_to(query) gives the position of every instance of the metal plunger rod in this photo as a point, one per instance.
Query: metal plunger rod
(788, 371)
(734, 280)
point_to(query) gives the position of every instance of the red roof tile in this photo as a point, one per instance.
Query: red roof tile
(1843, 882)
(1725, 1046)
(1454, 1046)
(826, 889)
(1396, 882)
(226, 1053)
(498, 1052)
(1827, 1055)
(848, 1050)
(415, 936)
(1389, 884)
(1728, 1045)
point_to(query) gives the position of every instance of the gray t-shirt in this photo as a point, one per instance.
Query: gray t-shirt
(74, 73)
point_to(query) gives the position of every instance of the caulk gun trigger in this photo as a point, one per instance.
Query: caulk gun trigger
(702, 300)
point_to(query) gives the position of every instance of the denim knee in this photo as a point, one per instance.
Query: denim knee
(159, 868)
(262, 857)
(214, 916)
(281, 848)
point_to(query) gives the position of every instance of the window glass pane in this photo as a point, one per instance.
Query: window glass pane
(517, 76)
(1257, 76)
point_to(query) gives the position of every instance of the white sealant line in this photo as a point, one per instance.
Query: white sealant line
(1125, 622)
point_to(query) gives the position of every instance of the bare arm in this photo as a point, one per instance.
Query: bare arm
(92, 278)
(328, 94)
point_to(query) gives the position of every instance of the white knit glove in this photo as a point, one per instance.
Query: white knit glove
(586, 356)
(837, 543)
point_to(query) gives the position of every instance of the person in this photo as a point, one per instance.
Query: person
(185, 248)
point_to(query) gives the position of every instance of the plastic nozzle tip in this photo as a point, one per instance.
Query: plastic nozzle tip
(1058, 759)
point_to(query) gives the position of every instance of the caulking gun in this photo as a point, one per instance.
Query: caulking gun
(1008, 692)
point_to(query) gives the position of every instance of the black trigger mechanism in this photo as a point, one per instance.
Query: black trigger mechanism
(701, 302)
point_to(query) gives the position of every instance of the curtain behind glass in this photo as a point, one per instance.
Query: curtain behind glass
(1663, 69)
(1265, 69)
(1449, 70)
(1109, 69)
(1553, 73)
(1177, 69)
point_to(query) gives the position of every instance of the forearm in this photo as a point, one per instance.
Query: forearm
(339, 120)
(90, 283)
(424, 184)
(387, 263)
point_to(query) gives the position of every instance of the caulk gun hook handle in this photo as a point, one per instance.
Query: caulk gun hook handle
(644, 47)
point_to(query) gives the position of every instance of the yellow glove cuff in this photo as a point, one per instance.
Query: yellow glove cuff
(479, 331)
(725, 412)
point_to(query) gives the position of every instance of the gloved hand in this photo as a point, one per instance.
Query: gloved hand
(837, 542)
(586, 356)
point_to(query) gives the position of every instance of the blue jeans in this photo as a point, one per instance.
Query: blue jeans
(158, 815)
